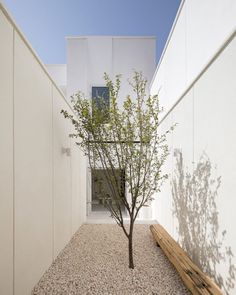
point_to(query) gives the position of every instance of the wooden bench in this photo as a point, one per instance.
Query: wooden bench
(194, 279)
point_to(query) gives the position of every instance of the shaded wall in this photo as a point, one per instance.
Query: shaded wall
(197, 203)
(40, 202)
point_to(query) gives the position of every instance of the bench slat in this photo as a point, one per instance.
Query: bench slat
(194, 279)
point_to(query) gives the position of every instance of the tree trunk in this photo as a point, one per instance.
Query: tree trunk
(131, 261)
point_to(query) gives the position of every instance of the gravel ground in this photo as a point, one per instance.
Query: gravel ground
(96, 262)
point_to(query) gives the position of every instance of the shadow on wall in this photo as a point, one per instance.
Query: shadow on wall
(194, 205)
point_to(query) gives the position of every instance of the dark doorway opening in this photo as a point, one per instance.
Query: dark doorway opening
(101, 187)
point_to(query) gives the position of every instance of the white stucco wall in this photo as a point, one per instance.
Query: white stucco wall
(199, 31)
(40, 208)
(204, 136)
(89, 57)
(58, 73)
(87, 60)
(6, 156)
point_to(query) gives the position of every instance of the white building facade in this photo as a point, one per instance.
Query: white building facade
(88, 58)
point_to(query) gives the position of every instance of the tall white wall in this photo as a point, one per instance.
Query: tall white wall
(89, 57)
(62, 176)
(204, 137)
(6, 156)
(33, 168)
(199, 31)
(131, 54)
(40, 205)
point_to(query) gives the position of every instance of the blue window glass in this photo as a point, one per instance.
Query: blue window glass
(101, 97)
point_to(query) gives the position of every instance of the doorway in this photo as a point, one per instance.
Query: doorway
(100, 187)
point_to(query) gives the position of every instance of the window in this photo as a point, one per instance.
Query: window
(101, 98)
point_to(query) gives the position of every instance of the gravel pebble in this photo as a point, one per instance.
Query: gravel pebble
(96, 262)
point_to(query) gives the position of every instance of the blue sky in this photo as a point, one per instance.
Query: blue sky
(45, 23)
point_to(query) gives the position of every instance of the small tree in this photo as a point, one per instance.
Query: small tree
(127, 139)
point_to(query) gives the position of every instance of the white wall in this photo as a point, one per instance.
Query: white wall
(161, 205)
(198, 32)
(205, 138)
(87, 60)
(62, 176)
(40, 203)
(76, 66)
(89, 57)
(131, 54)
(214, 133)
(99, 60)
(33, 168)
(6, 156)
(58, 73)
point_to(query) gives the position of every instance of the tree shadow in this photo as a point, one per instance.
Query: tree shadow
(194, 205)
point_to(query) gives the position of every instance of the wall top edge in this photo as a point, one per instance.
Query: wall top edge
(168, 40)
(226, 42)
(113, 37)
(26, 42)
